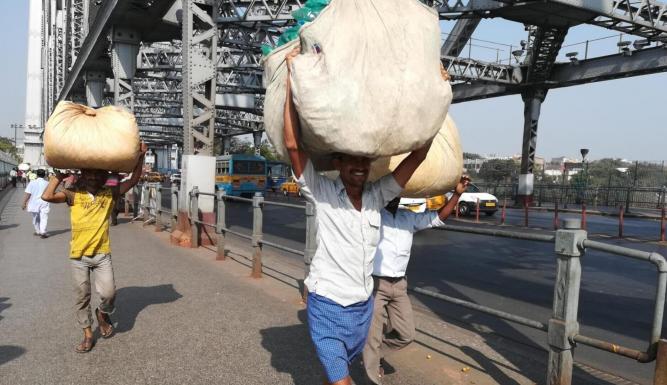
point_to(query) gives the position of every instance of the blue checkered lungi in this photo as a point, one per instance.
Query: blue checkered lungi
(338, 332)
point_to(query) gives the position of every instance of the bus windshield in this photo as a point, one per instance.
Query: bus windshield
(249, 167)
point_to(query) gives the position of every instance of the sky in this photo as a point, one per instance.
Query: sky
(619, 118)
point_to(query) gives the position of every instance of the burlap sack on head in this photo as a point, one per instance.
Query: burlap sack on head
(440, 171)
(80, 137)
(367, 81)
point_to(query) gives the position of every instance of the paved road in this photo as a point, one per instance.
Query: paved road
(616, 297)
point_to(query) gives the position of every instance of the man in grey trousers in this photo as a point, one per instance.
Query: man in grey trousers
(392, 327)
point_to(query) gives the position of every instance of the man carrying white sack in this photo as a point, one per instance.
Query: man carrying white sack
(90, 204)
(393, 326)
(340, 285)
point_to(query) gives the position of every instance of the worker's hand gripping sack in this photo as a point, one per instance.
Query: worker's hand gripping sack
(367, 81)
(80, 137)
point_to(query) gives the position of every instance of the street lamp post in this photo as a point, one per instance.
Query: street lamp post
(584, 165)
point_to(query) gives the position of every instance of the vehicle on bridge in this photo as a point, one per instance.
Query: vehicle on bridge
(290, 187)
(277, 174)
(240, 174)
(488, 203)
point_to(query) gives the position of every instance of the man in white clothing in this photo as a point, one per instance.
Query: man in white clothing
(392, 327)
(35, 205)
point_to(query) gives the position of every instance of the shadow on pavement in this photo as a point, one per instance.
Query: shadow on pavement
(10, 352)
(5, 227)
(132, 300)
(53, 233)
(292, 352)
(3, 304)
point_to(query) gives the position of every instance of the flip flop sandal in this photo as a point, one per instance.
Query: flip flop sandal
(101, 316)
(85, 346)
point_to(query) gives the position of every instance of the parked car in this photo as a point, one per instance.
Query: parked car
(488, 204)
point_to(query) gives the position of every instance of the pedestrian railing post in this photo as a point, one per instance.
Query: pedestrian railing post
(127, 204)
(145, 199)
(257, 217)
(158, 207)
(662, 225)
(563, 325)
(194, 216)
(477, 212)
(174, 206)
(621, 212)
(311, 243)
(583, 216)
(503, 215)
(135, 201)
(556, 215)
(661, 364)
(220, 224)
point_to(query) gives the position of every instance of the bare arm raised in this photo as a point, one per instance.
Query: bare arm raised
(291, 130)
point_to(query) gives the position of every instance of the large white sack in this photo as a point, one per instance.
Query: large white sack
(78, 136)
(440, 171)
(367, 82)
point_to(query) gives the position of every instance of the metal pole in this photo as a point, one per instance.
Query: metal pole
(662, 225)
(525, 212)
(135, 201)
(127, 204)
(477, 212)
(504, 213)
(563, 325)
(158, 207)
(661, 364)
(145, 191)
(220, 224)
(556, 216)
(583, 216)
(620, 222)
(174, 206)
(311, 243)
(194, 216)
(257, 202)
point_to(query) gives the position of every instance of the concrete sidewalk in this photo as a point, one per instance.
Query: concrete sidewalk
(184, 318)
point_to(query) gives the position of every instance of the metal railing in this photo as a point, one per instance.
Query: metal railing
(562, 329)
(596, 196)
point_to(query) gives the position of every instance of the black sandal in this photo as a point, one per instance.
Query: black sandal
(103, 318)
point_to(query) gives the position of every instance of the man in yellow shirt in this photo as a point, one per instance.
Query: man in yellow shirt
(91, 203)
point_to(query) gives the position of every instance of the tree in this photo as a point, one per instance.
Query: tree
(498, 170)
(470, 155)
(7, 146)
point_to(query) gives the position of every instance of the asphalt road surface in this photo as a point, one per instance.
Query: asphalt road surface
(617, 294)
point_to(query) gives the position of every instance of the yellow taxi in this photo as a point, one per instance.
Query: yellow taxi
(290, 188)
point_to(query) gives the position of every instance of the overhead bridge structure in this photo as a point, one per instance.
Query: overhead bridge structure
(191, 69)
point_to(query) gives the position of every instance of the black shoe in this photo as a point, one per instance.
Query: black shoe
(44, 236)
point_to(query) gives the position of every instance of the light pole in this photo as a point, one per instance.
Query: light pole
(15, 127)
(584, 152)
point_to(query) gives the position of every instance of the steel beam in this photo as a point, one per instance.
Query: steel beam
(459, 36)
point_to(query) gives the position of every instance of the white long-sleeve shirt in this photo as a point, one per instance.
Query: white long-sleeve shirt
(342, 267)
(396, 232)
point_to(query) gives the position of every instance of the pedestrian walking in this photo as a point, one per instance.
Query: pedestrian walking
(90, 251)
(32, 201)
(340, 304)
(13, 174)
(393, 326)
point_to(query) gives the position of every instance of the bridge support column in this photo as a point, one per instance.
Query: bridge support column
(532, 101)
(124, 50)
(95, 83)
(199, 51)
